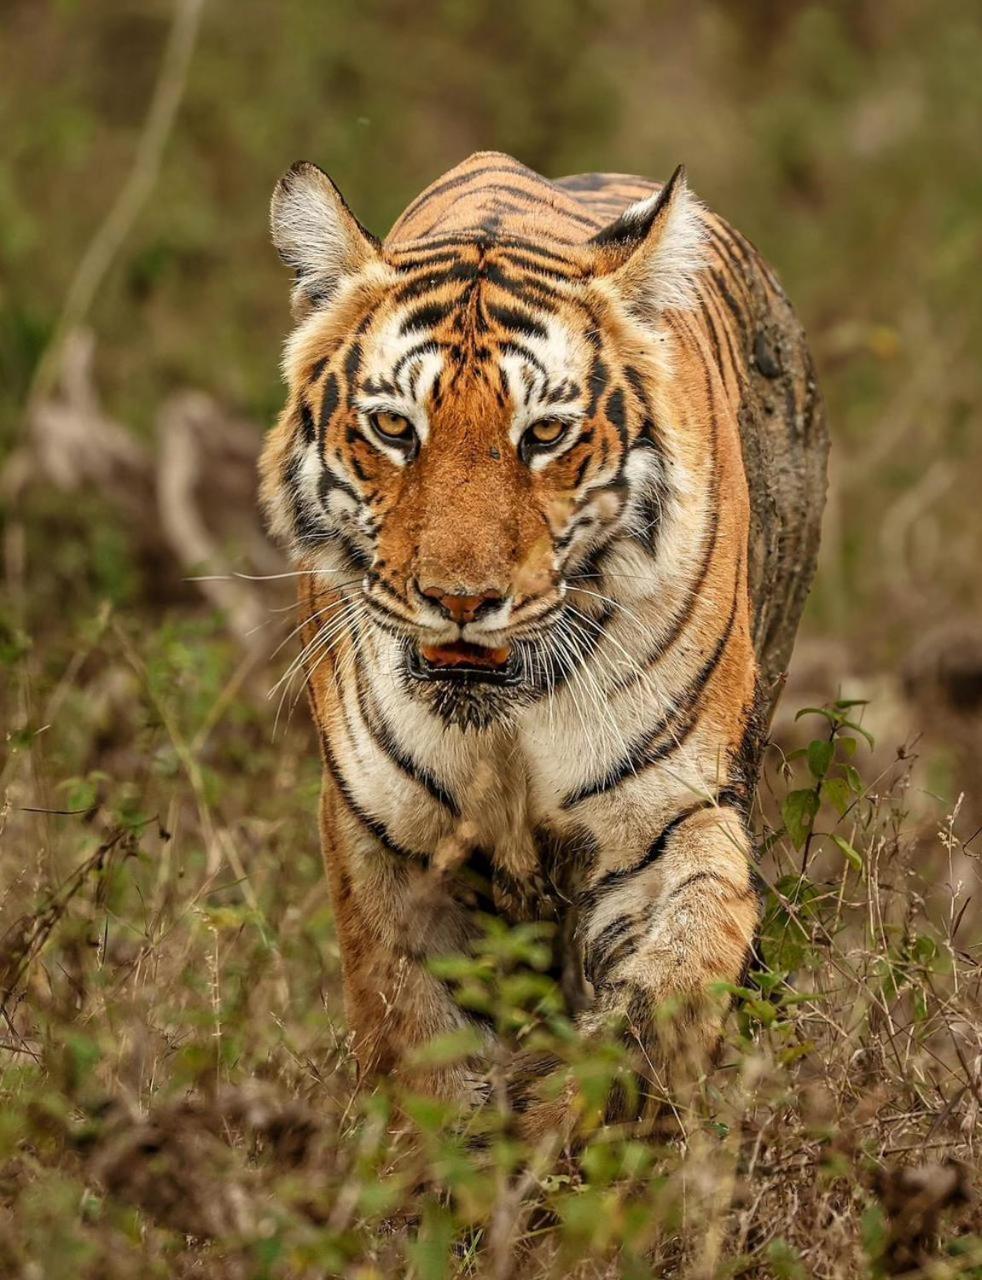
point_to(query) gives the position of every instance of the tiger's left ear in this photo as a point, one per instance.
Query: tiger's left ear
(317, 235)
(655, 249)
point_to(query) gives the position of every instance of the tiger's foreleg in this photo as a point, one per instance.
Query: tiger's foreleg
(658, 936)
(392, 917)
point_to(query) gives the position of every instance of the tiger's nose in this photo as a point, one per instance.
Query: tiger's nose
(461, 608)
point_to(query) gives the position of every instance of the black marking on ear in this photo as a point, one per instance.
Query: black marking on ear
(625, 231)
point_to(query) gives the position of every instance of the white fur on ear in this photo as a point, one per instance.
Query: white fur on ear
(316, 234)
(655, 250)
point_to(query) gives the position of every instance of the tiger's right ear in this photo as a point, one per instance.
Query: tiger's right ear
(317, 235)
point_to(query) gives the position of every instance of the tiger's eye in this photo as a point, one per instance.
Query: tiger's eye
(548, 431)
(393, 426)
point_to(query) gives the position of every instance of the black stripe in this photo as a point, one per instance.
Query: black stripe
(591, 896)
(584, 182)
(329, 404)
(425, 347)
(517, 349)
(510, 318)
(645, 752)
(329, 480)
(525, 288)
(693, 879)
(426, 316)
(598, 952)
(377, 828)
(352, 363)
(427, 281)
(382, 736)
(650, 505)
(307, 422)
(452, 184)
(616, 413)
(597, 382)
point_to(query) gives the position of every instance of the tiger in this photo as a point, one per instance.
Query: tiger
(550, 470)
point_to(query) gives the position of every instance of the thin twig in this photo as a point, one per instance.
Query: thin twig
(133, 195)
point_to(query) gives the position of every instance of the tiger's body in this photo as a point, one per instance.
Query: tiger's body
(544, 614)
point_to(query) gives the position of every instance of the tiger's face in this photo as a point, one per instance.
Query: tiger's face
(472, 426)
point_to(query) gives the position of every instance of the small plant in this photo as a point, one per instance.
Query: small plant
(178, 1095)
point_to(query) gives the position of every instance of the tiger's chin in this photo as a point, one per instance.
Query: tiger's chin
(471, 687)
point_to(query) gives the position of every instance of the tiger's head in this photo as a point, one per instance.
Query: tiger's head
(474, 422)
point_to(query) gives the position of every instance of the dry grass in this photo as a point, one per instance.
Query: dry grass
(177, 1093)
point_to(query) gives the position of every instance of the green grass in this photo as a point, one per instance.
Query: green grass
(178, 1096)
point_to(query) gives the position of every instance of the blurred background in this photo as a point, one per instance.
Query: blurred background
(165, 930)
(142, 309)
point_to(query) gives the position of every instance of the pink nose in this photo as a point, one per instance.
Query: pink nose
(461, 608)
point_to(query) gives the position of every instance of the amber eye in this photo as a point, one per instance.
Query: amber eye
(547, 432)
(393, 428)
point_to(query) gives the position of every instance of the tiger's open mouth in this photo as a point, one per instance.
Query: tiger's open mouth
(464, 662)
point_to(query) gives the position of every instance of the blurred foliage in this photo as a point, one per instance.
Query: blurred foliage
(177, 1097)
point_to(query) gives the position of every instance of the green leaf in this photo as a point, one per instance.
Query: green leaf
(798, 811)
(853, 779)
(785, 1260)
(858, 728)
(432, 1251)
(442, 1051)
(837, 793)
(874, 1231)
(851, 855)
(820, 755)
(816, 711)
